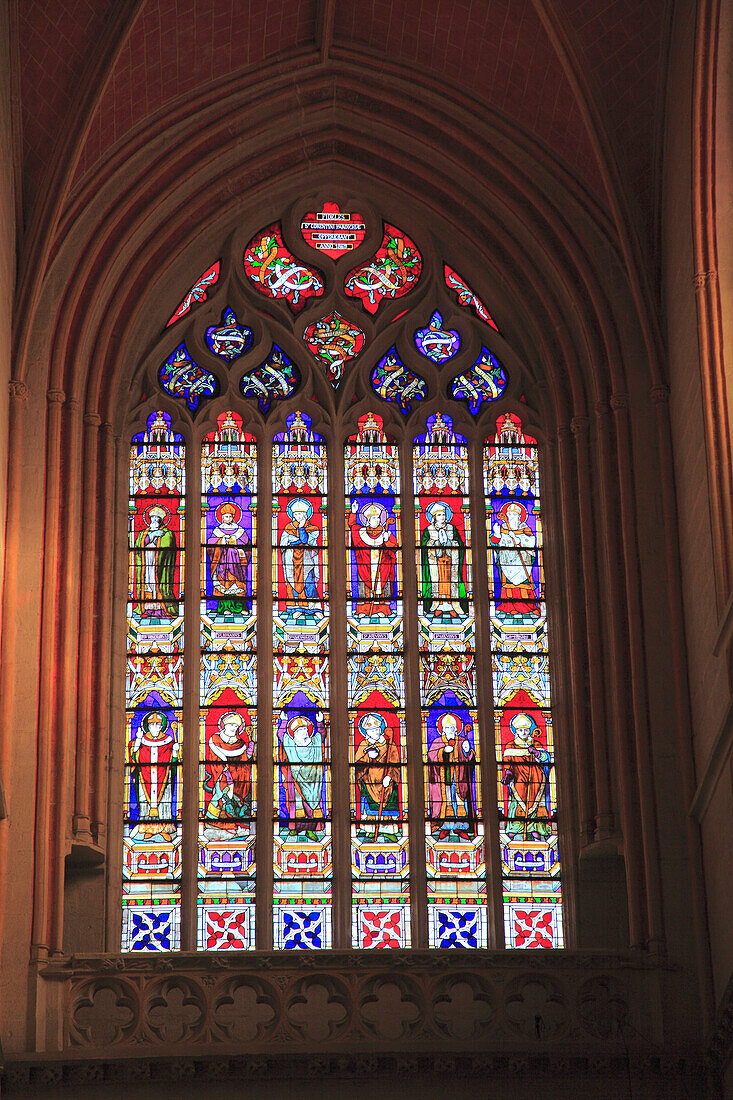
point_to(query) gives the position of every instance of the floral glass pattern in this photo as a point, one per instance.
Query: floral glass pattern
(436, 342)
(391, 273)
(484, 381)
(274, 380)
(466, 296)
(197, 293)
(277, 273)
(181, 377)
(393, 381)
(334, 341)
(229, 339)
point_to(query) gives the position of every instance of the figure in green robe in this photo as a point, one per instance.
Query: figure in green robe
(155, 563)
(443, 557)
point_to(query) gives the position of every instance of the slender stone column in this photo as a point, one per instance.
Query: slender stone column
(603, 817)
(620, 725)
(659, 396)
(87, 629)
(637, 674)
(576, 657)
(18, 403)
(44, 871)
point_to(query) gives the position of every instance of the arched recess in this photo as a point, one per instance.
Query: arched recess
(532, 244)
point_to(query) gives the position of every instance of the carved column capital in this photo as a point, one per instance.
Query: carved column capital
(563, 433)
(92, 419)
(18, 389)
(659, 395)
(55, 397)
(579, 425)
(701, 278)
(619, 401)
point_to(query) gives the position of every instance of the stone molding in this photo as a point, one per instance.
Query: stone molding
(19, 1076)
(189, 1016)
(411, 1001)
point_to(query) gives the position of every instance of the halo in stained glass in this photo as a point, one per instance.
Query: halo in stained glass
(198, 292)
(277, 273)
(436, 342)
(391, 273)
(334, 341)
(274, 380)
(393, 381)
(484, 381)
(180, 376)
(466, 296)
(332, 230)
(229, 339)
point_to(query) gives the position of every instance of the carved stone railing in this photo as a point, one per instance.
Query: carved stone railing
(356, 1013)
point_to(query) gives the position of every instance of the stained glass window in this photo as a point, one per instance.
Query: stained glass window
(525, 751)
(315, 691)
(454, 839)
(376, 693)
(303, 858)
(151, 911)
(228, 687)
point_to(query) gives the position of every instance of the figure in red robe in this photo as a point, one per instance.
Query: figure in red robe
(228, 778)
(373, 558)
(450, 772)
(153, 755)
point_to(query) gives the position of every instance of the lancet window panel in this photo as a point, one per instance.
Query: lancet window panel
(314, 757)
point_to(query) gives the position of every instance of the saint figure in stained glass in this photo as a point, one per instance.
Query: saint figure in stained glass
(228, 777)
(517, 556)
(443, 560)
(526, 777)
(301, 757)
(231, 553)
(153, 754)
(300, 560)
(373, 557)
(451, 797)
(377, 761)
(155, 559)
